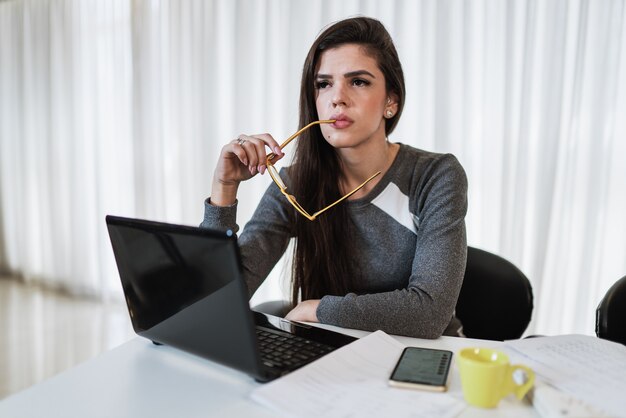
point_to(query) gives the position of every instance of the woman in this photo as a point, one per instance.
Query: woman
(392, 255)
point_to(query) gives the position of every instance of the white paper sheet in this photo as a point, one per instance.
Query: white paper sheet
(352, 382)
(589, 368)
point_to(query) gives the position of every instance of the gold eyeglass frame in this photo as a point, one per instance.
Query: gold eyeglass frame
(283, 187)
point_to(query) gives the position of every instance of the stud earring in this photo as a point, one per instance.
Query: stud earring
(389, 113)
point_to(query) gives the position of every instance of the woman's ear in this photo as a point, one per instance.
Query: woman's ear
(391, 107)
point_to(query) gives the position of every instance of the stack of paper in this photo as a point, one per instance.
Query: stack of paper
(352, 382)
(587, 368)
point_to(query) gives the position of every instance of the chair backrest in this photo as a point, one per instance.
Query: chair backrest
(611, 313)
(496, 299)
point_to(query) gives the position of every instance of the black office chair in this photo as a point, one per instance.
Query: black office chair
(496, 299)
(611, 313)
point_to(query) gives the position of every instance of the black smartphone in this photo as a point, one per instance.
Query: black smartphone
(422, 368)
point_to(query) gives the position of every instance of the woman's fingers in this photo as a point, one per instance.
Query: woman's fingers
(271, 143)
(249, 154)
(251, 150)
(236, 147)
(244, 157)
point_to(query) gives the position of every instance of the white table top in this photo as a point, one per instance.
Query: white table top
(139, 379)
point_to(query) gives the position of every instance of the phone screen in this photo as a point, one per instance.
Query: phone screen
(425, 368)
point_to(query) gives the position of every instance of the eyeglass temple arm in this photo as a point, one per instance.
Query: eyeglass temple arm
(316, 214)
(299, 208)
(271, 155)
(306, 214)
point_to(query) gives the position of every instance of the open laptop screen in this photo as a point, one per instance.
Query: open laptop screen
(163, 272)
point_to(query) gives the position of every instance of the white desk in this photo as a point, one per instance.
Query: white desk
(139, 379)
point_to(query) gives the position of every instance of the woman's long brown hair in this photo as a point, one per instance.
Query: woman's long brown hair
(324, 251)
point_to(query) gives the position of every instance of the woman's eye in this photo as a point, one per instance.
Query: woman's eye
(360, 82)
(321, 84)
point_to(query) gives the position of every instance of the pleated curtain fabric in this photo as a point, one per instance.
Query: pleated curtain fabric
(121, 107)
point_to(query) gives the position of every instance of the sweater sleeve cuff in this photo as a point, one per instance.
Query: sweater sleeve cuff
(328, 309)
(220, 217)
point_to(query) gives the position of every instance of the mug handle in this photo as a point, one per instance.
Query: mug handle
(521, 390)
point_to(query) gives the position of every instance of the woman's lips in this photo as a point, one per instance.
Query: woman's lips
(341, 122)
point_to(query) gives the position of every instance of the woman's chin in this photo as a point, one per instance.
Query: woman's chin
(341, 140)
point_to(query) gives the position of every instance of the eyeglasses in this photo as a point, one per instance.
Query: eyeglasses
(283, 188)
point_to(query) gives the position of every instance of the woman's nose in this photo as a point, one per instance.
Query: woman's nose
(340, 97)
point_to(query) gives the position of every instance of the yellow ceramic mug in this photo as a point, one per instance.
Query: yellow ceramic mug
(487, 377)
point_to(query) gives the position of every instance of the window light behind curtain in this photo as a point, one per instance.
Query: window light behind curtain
(122, 107)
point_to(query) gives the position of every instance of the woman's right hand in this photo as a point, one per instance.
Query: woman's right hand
(240, 160)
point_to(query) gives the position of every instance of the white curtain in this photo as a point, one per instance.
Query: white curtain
(121, 107)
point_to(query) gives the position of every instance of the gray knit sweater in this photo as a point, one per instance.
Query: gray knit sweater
(410, 240)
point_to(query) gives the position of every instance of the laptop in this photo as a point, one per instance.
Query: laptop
(184, 288)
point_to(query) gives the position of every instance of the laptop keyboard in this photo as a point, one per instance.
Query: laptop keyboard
(288, 351)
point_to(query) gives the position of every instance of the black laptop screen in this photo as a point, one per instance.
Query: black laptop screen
(163, 273)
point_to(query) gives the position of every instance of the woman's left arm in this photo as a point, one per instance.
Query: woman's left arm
(426, 306)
